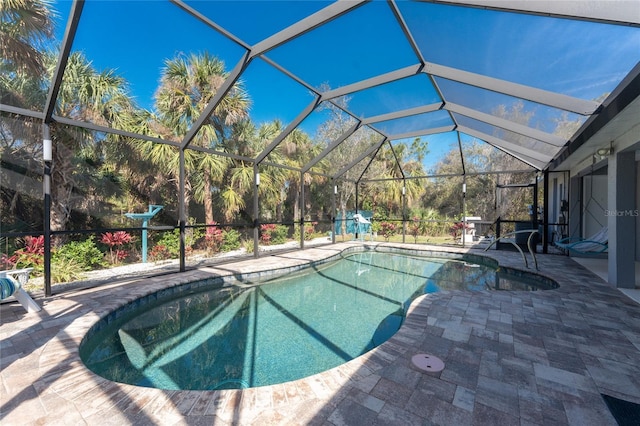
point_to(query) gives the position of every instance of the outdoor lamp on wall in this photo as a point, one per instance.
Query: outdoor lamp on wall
(605, 152)
(47, 150)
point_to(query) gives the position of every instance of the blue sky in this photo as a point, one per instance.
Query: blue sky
(580, 59)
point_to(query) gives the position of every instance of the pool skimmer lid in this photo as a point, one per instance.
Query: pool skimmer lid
(428, 363)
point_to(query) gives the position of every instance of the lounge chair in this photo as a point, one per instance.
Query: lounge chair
(597, 243)
(9, 286)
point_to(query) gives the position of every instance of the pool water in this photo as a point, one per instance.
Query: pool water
(281, 330)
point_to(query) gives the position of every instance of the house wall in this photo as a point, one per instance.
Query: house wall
(621, 218)
(638, 205)
(594, 202)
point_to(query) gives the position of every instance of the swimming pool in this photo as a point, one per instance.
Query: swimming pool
(211, 336)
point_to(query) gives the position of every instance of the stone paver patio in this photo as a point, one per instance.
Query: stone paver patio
(511, 358)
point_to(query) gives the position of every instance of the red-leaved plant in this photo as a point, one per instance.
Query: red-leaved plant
(6, 262)
(456, 229)
(214, 238)
(387, 229)
(265, 233)
(30, 256)
(115, 241)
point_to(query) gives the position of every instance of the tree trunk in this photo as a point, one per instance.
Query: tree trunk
(280, 206)
(186, 197)
(296, 206)
(61, 189)
(343, 224)
(208, 199)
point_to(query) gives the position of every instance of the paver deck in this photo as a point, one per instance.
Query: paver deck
(511, 358)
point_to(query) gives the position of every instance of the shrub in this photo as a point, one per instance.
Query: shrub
(231, 240)
(265, 233)
(309, 231)
(376, 222)
(279, 235)
(387, 229)
(192, 235)
(248, 246)
(273, 234)
(159, 252)
(168, 246)
(65, 270)
(213, 238)
(84, 254)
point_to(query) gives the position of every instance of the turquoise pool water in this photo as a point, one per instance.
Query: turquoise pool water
(281, 330)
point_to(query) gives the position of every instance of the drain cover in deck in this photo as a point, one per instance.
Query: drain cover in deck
(429, 363)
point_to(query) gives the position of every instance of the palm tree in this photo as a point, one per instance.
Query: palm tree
(88, 95)
(187, 86)
(272, 179)
(296, 150)
(249, 141)
(129, 159)
(24, 26)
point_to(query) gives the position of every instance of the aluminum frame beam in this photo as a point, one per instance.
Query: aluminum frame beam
(287, 131)
(21, 111)
(464, 169)
(405, 29)
(196, 14)
(506, 145)
(509, 125)
(110, 130)
(618, 12)
(416, 48)
(368, 165)
(493, 172)
(306, 85)
(397, 161)
(305, 25)
(63, 58)
(361, 157)
(217, 98)
(526, 155)
(526, 160)
(424, 132)
(544, 97)
(372, 82)
(623, 96)
(403, 113)
(280, 166)
(223, 154)
(331, 147)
